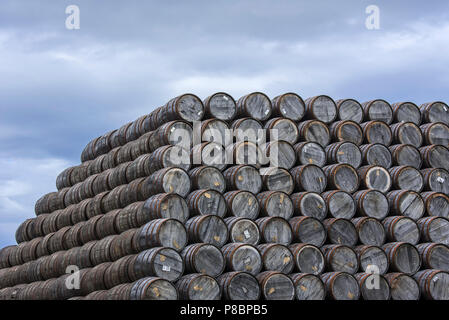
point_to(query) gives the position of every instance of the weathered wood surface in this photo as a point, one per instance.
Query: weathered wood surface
(242, 204)
(406, 112)
(203, 258)
(248, 129)
(342, 177)
(340, 204)
(243, 177)
(406, 203)
(243, 230)
(340, 231)
(375, 177)
(308, 286)
(322, 108)
(376, 154)
(208, 229)
(255, 105)
(436, 179)
(403, 287)
(308, 258)
(370, 231)
(220, 105)
(378, 110)
(207, 178)
(407, 133)
(401, 229)
(372, 259)
(279, 154)
(435, 156)
(346, 130)
(434, 284)
(239, 285)
(314, 131)
(308, 230)
(434, 255)
(276, 257)
(340, 258)
(372, 203)
(377, 132)
(242, 257)
(276, 286)
(382, 292)
(275, 204)
(436, 111)
(310, 153)
(434, 229)
(162, 232)
(247, 152)
(344, 152)
(283, 129)
(341, 286)
(153, 288)
(406, 178)
(275, 229)
(206, 201)
(289, 105)
(435, 133)
(215, 130)
(406, 155)
(309, 204)
(197, 286)
(436, 203)
(403, 257)
(349, 109)
(277, 179)
(309, 177)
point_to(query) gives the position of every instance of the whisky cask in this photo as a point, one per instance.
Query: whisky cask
(310, 153)
(378, 110)
(308, 230)
(349, 109)
(436, 179)
(344, 152)
(436, 204)
(435, 156)
(216, 130)
(401, 229)
(346, 130)
(243, 177)
(275, 204)
(406, 203)
(434, 255)
(370, 231)
(406, 112)
(340, 204)
(168, 180)
(340, 231)
(288, 105)
(255, 105)
(308, 258)
(406, 155)
(403, 257)
(435, 133)
(372, 203)
(309, 177)
(376, 154)
(375, 177)
(242, 204)
(403, 287)
(308, 286)
(204, 177)
(373, 286)
(207, 229)
(212, 154)
(340, 258)
(187, 107)
(152, 288)
(377, 132)
(309, 204)
(174, 133)
(206, 201)
(243, 230)
(242, 257)
(434, 229)
(341, 286)
(248, 129)
(239, 285)
(278, 154)
(342, 177)
(203, 258)
(372, 259)
(277, 179)
(160, 206)
(282, 129)
(220, 105)
(434, 284)
(407, 133)
(406, 178)
(276, 286)
(314, 131)
(436, 111)
(276, 257)
(161, 233)
(275, 229)
(322, 108)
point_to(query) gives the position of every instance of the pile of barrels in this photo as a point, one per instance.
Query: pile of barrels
(253, 199)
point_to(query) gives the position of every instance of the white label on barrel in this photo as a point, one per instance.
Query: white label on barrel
(266, 111)
(445, 109)
(166, 268)
(172, 129)
(247, 260)
(283, 110)
(246, 233)
(225, 98)
(440, 180)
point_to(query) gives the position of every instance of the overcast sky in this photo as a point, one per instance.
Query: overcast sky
(60, 88)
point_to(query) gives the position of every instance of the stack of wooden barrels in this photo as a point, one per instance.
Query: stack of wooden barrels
(253, 199)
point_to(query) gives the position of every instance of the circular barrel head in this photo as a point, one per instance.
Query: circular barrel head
(409, 133)
(411, 205)
(159, 290)
(406, 259)
(180, 134)
(176, 156)
(341, 205)
(311, 231)
(244, 231)
(343, 259)
(278, 287)
(407, 112)
(379, 155)
(438, 157)
(345, 287)
(221, 106)
(282, 129)
(248, 179)
(242, 286)
(204, 287)
(209, 260)
(245, 205)
(177, 181)
(247, 258)
(210, 178)
(318, 132)
(309, 287)
(379, 110)
(257, 106)
(373, 259)
(341, 231)
(438, 112)
(215, 130)
(407, 155)
(322, 108)
(436, 257)
(438, 205)
(375, 287)
(313, 179)
(190, 107)
(309, 259)
(291, 106)
(409, 178)
(172, 234)
(311, 153)
(350, 109)
(403, 287)
(312, 205)
(278, 179)
(350, 154)
(438, 181)
(371, 232)
(378, 132)
(438, 133)
(278, 258)
(277, 230)
(213, 230)
(438, 231)
(168, 264)
(377, 178)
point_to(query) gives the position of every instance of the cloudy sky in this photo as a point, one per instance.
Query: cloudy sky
(59, 88)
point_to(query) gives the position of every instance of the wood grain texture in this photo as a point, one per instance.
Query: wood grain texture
(308, 286)
(370, 231)
(220, 105)
(242, 204)
(340, 231)
(322, 108)
(309, 204)
(275, 230)
(382, 292)
(310, 153)
(403, 287)
(255, 105)
(308, 258)
(406, 112)
(289, 105)
(242, 257)
(436, 111)
(340, 258)
(340, 204)
(243, 230)
(276, 257)
(314, 131)
(404, 257)
(372, 259)
(239, 285)
(275, 204)
(276, 286)
(376, 154)
(341, 286)
(277, 179)
(203, 258)
(308, 230)
(406, 178)
(344, 152)
(349, 109)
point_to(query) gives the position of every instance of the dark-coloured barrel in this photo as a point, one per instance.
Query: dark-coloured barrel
(407, 133)
(434, 112)
(434, 229)
(162, 233)
(4, 256)
(376, 154)
(283, 129)
(215, 130)
(349, 109)
(220, 105)
(377, 132)
(279, 154)
(403, 257)
(243, 177)
(242, 257)
(175, 133)
(243, 230)
(436, 179)
(275, 204)
(169, 180)
(322, 108)
(340, 231)
(342, 177)
(434, 284)
(308, 286)
(406, 155)
(403, 286)
(197, 286)
(406, 203)
(436, 203)
(242, 204)
(370, 231)
(276, 257)
(186, 107)
(435, 133)
(161, 206)
(372, 203)
(203, 258)
(406, 178)
(310, 153)
(435, 156)
(309, 204)
(406, 112)
(308, 258)
(340, 204)
(346, 130)
(372, 259)
(239, 285)
(314, 131)
(378, 110)
(373, 286)
(277, 179)
(275, 229)
(255, 105)
(207, 178)
(375, 177)
(210, 154)
(309, 177)
(276, 286)
(206, 201)
(207, 229)
(308, 230)
(434, 255)
(248, 129)
(288, 105)
(344, 152)
(340, 258)
(341, 286)
(401, 229)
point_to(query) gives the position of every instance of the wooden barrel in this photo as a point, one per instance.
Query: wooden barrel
(119, 292)
(153, 288)
(310, 153)
(243, 230)
(403, 287)
(284, 129)
(220, 105)
(203, 258)
(314, 131)
(340, 231)
(308, 230)
(372, 259)
(242, 257)
(346, 130)
(117, 272)
(239, 285)
(168, 180)
(340, 204)
(434, 112)
(434, 229)
(205, 177)
(401, 229)
(434, 284)
(373, 286)
(435, 133)
(132, 217)
(407, 133)
(406, 112)
(278, 154)
(187, 107)
(288, 105)
(97, 295)
(275, 229)
(277, 179)
(309, 177)
(276, 257)
(377, 132)
(106, 226)
(344, 152)
(376, 154)
(403, 257)
(275, 204)
(4, 256)
(406, 178)
(100, 252)
(309, 204)
(375, 177)
(163, 157)
(378, 110)
(342, 176)
(370, 231)
(349, 109)
(84, 257)
(255, 105)
(435, 156)
(406, 203)
(215, 130)
(211, 154)
(161, 233)
(322, 108)
(436, 204)
(308, 286)
(175, 133)
(93, 278)
(435, 179)
(23, 232)
(434, 255)
(242, 204)
(63, 178)
(372, 203)
(340, 258)
(308, 258)
(276, 286)
(206, 201)
(161, 206)
(406, 155)
(248, 129)
(207, 229)
(243, 177)
(341, 286)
